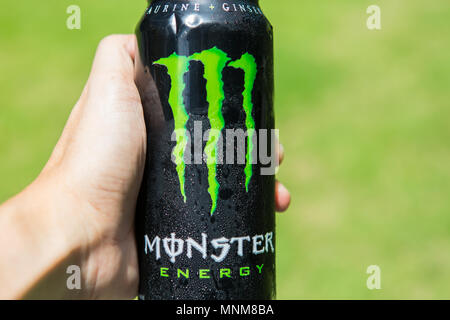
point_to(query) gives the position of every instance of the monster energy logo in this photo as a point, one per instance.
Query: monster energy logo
(214, 61)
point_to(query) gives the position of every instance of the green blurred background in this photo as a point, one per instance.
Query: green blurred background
(364, 117)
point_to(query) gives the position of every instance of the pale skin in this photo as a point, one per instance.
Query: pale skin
(80, 209)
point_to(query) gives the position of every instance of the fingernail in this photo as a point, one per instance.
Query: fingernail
(281, 151)
(282, 188)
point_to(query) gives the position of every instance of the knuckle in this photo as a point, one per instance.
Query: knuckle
(109, 40)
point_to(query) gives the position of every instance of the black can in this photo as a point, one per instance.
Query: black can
(205, 222)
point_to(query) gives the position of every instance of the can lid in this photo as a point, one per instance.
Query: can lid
(254, 1)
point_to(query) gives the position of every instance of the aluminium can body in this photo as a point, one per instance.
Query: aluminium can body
(205, 224)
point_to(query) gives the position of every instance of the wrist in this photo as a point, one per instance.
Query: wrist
(39, 244)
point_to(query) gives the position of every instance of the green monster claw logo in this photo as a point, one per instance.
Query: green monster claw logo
(214, 61)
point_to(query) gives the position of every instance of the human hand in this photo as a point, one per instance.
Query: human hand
(96, 169)
(91, 182)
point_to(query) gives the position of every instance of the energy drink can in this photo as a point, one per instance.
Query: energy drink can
(205, 223)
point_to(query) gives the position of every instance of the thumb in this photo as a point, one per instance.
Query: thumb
(110, 94)
(114, 57)
(111, 82)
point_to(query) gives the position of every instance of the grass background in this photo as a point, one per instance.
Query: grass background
(364, 117)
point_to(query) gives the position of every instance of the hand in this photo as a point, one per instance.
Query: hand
(91, 183)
